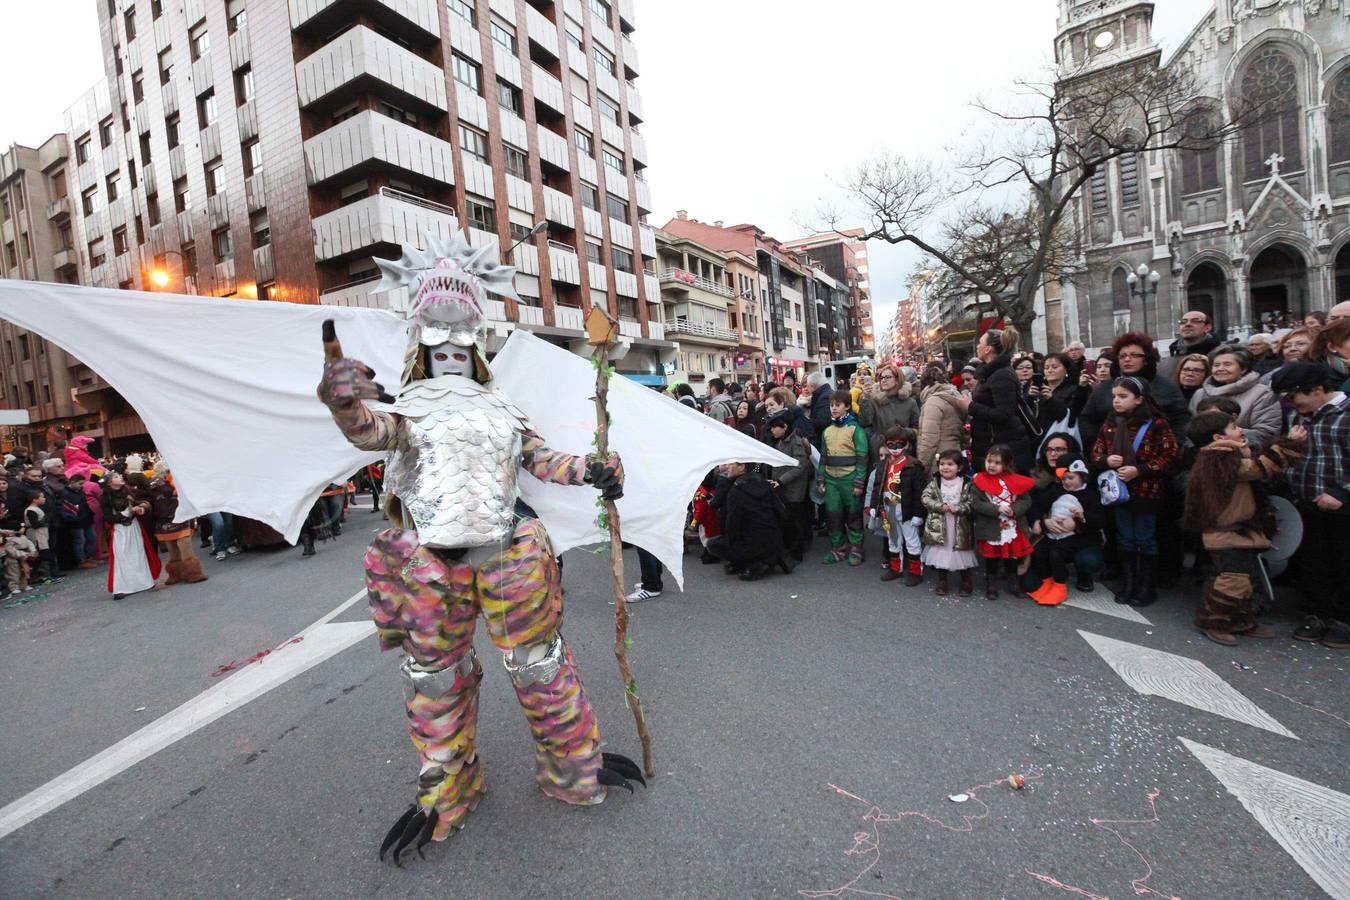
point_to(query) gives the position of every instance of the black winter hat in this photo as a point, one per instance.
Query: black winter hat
(782, 417)
(1302, 376)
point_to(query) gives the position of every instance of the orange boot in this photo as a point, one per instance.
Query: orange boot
(1040, 591)
(1056, 594)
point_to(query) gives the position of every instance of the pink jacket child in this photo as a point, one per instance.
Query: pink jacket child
(93, 494)
(78, 460)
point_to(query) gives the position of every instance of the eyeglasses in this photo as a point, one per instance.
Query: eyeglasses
(1192, 321)
(1130, 355)
(1192, 370)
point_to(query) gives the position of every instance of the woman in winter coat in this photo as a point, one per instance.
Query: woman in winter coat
(942, 418)
(891, 403)
(1232, 375)
(993, 406)
(1134, 354)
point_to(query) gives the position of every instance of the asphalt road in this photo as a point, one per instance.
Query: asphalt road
(809, 731)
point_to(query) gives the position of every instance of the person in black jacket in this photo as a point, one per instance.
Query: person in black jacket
(993, 407)
(779, 400)
(1074, 538)
(1134, 354)
(753, 539)
(819, 408)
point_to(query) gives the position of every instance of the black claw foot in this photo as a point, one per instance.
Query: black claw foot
(617, 770)
(415, 824)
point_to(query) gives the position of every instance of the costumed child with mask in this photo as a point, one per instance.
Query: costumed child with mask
(1000, 504)
(1227, 505)
(1070, 523)
(897, 501)
(948, 536)
(1138, 444)
(843, 480)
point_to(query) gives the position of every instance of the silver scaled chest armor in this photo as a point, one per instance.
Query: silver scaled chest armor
(455, 466)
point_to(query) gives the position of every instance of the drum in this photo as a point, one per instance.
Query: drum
(1288, 534)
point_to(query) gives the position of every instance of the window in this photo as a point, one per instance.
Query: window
(503, 34)
(221, 244)
(28, 385)
(1129, 180)
(573, 31)
(345, 113)
(215, 179)
(137, 86)
(585, 143)
(105, 133)
(601, 9)
(617, 208)
(23, 347)
(97, 257)
(206, 108)
(152, 208)
(119, 240)
(252, 154)
(171, 130)
(468, 73)
(182, 199)
(517, 161)
(612, 158)
(112, 183)
(463, 9)
(623, 260)
(11, 254)
(131, 174)
(1338, 118)
(594, 253)
(243, 85)
(1270, 94)
(145, 149)
(481, 214)
(520, 233)
(200, 41)
(265, 290)
(129, 23)
(608, 108)
(1120, 290)
(1199, 156)
(238, 16)
(262, 230)
(508, 96)
(156, 8)
(83, 148)
(604, 59)
(473, 142)
(88, 200)
(166, 65)
(1101, 201)
(590, 196)
(354, 192)
(65, 237)
(398, 114)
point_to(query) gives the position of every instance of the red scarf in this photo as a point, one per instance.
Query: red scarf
(993, 484)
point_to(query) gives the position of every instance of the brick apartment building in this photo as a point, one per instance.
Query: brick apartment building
(270, 150)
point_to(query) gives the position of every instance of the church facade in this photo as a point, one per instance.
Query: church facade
(1255, 230)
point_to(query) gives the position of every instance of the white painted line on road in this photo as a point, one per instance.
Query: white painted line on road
(1311, 822)
(1104, 604)
(322, 640)
(338, 610)
(1182, 679)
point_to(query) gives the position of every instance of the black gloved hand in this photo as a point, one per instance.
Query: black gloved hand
(606, 475)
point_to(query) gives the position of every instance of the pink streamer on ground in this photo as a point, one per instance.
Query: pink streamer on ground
(240, 663)
(1306, 706)
(1139, 884)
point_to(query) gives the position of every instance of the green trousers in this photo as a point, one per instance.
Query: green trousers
(843, 510)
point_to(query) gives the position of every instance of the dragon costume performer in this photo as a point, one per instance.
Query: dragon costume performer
(462, 548)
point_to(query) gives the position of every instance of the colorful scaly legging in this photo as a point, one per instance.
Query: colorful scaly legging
(427, 605)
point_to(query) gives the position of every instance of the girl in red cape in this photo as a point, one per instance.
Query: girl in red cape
(1000, 503)
(134, 564)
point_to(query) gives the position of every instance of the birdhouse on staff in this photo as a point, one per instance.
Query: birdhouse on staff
(601, 328)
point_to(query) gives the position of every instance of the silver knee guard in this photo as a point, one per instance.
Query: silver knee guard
(437, 683)
(526, 667)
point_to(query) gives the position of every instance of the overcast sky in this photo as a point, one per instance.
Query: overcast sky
(755, 108)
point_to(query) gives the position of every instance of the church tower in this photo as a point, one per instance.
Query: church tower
(1094, 35)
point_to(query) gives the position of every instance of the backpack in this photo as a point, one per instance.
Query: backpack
(1113, 489)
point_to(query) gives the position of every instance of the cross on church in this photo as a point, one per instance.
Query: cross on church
(1274, 164)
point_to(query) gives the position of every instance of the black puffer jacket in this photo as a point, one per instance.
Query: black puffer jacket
(993, 414)
(1165, 392)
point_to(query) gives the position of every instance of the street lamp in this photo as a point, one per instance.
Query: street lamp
(159, 276)
(1143, 284)
(539, 228)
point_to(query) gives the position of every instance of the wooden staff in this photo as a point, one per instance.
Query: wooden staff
(602, 330)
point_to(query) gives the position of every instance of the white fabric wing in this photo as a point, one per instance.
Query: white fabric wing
(667, 448)
(225, 387)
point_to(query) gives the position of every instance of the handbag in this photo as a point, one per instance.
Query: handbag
(1113, 489)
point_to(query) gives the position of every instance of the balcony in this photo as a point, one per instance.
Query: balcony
(548, 90)
(371, 138)
(563, 264)
(714, 333)
(569, 317)
(59, 209)
(389, 217)
(647, 241)
(625, 284)
(656, 331)
(681, 278)
(411, 19)
(630, 56)
(651, 285)
(635, 102)
(558, 208)
(361, 53)
(553, 149)
(541, 30)
(643, 196)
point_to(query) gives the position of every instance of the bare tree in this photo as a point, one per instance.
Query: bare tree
(997, 217)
